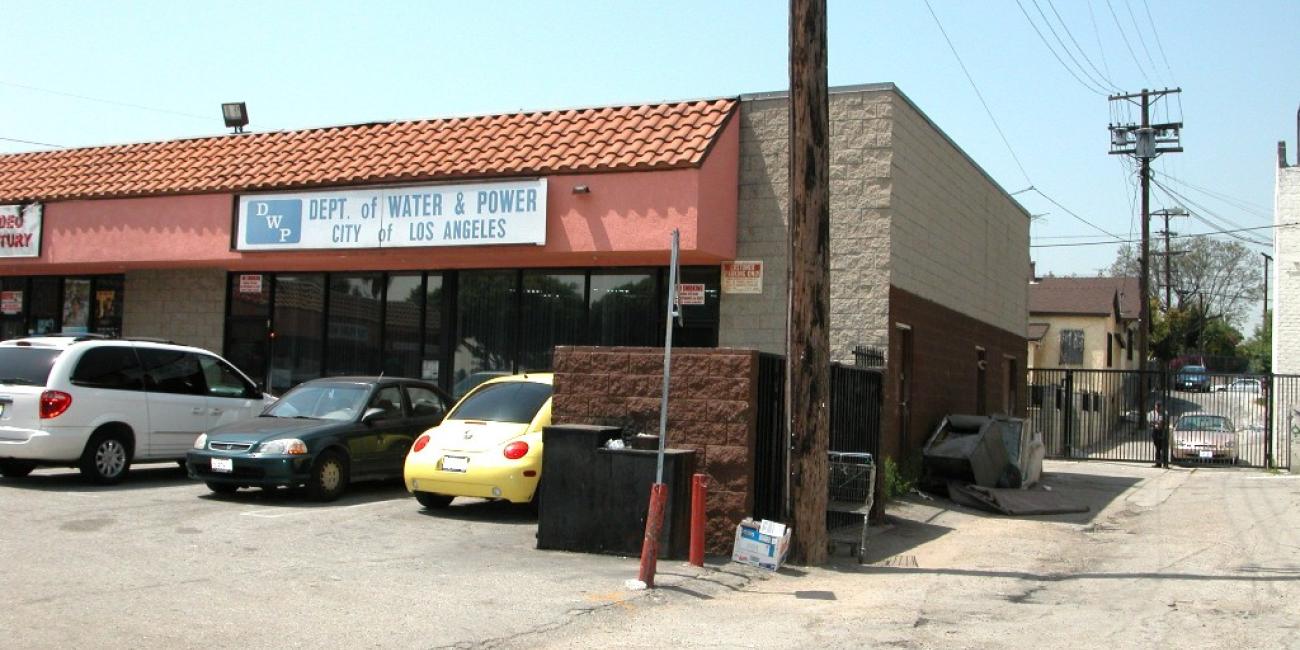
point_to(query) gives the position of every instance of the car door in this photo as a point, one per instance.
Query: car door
(231, 397)
(366, 443)
(177, 395)
(426, 406)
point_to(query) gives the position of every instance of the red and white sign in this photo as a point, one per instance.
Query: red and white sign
(20, 230)
(742, 277)
(690, 294)
(11, 302)
(250, 283)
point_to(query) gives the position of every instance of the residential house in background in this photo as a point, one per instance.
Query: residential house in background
(1080, 328)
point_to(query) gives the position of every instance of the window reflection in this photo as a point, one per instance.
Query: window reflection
(353, 332)
(402, 325)
(623, 309)
(553, 311)
(486, 322)
(298, 314)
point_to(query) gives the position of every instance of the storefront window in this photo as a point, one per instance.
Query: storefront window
(354, 324)
(13, 313)
(623, 309)
(553, 309)
(402, 314)
(431, 362)
(45, 303)
(106, 307)
(247, 327)
(298, 317)
(486, 322)
(698, 327)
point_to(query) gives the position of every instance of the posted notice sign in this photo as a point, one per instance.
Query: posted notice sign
(690, 294)
(20, 230)
(250, 283)
(11, 302)
(467, 214)
(742, 277)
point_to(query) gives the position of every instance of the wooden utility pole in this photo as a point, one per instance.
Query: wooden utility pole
(807, 388)
(1169, 254)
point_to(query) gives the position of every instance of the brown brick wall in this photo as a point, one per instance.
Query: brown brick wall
(710, 409)
(944, 368)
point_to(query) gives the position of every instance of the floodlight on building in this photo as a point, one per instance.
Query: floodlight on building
(236, 115)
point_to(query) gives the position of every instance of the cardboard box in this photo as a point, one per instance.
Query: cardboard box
(762, 544)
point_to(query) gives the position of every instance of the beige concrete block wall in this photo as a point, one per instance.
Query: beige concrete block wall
(185, 306)
(860, 189)
(1286, 279)
(957, 238)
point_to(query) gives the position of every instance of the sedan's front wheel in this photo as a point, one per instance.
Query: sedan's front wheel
(329, 477)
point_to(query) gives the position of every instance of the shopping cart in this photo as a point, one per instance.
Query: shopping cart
(852, 484)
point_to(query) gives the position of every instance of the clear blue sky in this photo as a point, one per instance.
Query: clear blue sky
(301, 64)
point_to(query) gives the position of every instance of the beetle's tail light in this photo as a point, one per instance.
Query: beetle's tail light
(516, 450)
(420, 443)
(54, 403)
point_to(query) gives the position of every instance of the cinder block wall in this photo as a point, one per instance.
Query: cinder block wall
(711, 410)
(1286, 255)
(186, 306)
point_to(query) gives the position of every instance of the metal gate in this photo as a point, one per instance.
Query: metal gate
(856, 399)
(1213, 418)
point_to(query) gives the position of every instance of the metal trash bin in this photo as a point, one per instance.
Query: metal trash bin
(852, 485)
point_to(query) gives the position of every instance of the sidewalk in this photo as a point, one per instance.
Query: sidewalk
(1167, 558)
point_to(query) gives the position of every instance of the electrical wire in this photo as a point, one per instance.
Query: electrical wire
(39, 144)
(1138, 30)
(1159, 44)
(1097, 33)
(1076, 215)
(1070, 34)
(1188, 236)
(1099, 90)
(1241, 204)
(1128, 45)
(978, 93)
(106, 101)
(1211, 219)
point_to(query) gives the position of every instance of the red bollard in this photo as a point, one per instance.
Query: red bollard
(699, 488)
(653, 524)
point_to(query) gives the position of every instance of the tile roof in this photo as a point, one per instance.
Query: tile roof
(619, 138)
(1085, 296)
(1037, 331)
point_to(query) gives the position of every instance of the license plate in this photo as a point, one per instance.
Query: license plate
(1207, 454)
(455, 463)
(223, 465)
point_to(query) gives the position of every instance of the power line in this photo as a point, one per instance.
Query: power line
(1070, 34)
(1189, 236)
(1156, 32)
(1090, 87)
(977, 92)
(106, 101)
(1124, 36)
(1138, 30)
(1239, 203)
(1209, 218)
(1076, 216)
(1097, 33)
(39, 144)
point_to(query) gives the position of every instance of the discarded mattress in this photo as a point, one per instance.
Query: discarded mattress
(1013, 502)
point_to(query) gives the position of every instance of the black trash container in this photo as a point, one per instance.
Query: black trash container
(595, 500)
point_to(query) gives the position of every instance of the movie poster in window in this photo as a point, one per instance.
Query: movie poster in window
(76, 305)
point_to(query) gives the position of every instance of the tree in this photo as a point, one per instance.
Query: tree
(1213, 280)
(1258, 349)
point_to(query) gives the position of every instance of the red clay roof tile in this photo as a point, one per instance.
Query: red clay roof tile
(618, 138)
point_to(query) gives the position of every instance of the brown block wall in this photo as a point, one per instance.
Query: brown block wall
(711, 409)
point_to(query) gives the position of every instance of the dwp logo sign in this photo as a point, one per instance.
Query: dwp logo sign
(274, 222)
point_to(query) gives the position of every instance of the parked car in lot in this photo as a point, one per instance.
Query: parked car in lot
(102, 404)
(1193, 378)
(1241, 386)
(489, 446)
(1203, 437)
(322, 434)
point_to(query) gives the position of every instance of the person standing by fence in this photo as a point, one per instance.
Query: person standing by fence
(1159, 433)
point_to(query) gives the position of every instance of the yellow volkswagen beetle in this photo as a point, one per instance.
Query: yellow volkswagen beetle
(489, 445)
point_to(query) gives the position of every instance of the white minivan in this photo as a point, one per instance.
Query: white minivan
(102, 404)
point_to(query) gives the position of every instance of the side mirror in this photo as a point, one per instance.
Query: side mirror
(372, 414)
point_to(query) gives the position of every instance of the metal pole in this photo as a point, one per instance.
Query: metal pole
(668, 355)
(1144, 317)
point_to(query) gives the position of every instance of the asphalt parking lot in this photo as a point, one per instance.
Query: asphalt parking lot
(159, 561)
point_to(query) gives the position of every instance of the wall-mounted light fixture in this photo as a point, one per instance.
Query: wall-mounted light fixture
(581, 189)
(236, 115)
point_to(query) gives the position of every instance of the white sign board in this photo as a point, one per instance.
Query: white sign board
(467, 214)
(742, 277)
(250, 283)
(20, 230)
(690, 294)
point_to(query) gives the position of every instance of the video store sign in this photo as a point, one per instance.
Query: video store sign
(20, 230)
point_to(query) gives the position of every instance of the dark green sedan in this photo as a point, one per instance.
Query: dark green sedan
(321, 435)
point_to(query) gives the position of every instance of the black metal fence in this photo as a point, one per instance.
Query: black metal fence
(1211, 418)
(856, 401)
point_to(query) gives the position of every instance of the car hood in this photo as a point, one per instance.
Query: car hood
(474, 435)
(261, 429)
